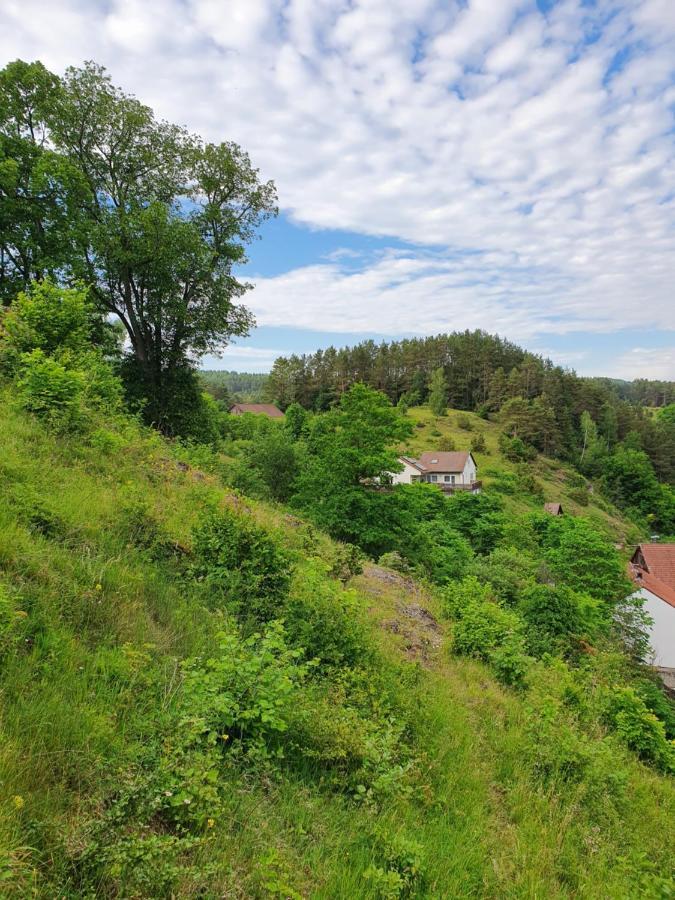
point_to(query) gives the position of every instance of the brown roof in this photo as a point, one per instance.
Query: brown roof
(443, 460)
(412, 462)
(653, 566)
(554, 508)
(264, 409)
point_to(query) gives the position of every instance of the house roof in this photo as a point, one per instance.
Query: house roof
(652, 566)
(554, 508)
(412, 462)
(443, 461)
(265, 409)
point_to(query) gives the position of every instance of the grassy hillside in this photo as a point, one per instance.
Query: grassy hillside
(148, 750)
(558, 481)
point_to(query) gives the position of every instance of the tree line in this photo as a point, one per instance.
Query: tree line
(540, 403)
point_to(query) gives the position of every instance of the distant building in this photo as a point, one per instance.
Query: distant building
(450, 471)
(652, 568)
(258, 409)
(554, 508)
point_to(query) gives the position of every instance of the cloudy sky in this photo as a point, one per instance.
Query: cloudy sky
(441, 164)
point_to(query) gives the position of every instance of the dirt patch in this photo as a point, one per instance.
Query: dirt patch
(405, 582)
(421, 633)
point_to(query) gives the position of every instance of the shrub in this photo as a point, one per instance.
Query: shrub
(483, 628)
(441, 551)
(324, 619)
(639, 728)
(464, 422)
(394, 560)
(478, 444)
(242, 565)
(399, 871)
(347, 562)
(515, 450)
(555, 617)
(447, 443)
(580, 495)
(510, 661)
(46, 318)
(48, 389)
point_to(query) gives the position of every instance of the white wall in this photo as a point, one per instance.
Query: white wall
(662, 632)
(469, 473)
(406, 476)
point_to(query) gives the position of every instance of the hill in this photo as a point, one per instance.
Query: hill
(151, 747)
(522, 487)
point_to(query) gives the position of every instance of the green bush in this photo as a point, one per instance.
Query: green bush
(324, 619)
(242, 566)
(394, 560)
(49, 389)
(483, 628)
(464, 422)
(580, 495)
(639, 728)
(447, 443)
(478, 444)
(46, 318)
(515, 450)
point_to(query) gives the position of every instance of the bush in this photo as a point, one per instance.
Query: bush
(447, 443)
(242, 565)
(580, 496)
(324, 619)
(48, 389)
(347, 562)
(639, 728)
(515, 450)
(464, 422)
(46, 318)
(478, 444)
(484, 628)
(556, 618)
(394, 560)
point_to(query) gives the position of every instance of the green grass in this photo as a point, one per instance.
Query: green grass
(557, 479)
(98, 611)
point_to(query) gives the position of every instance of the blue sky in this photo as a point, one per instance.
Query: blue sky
(441, 164)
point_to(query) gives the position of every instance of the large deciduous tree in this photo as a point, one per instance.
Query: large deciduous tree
(168, 219)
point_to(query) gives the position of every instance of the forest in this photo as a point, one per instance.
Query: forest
(235, 659)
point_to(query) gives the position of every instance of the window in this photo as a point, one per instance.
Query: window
(433, 478)
(446, 478)
(414, 478)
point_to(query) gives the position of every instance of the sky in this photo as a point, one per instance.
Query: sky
(441, 164)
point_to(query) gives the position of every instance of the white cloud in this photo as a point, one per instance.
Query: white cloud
(539, 170)
(641, 362)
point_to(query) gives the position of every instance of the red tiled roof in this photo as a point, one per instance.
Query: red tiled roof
(657, 574)
(443, 461)
(264, 409)
(660, 559)
(412, 462)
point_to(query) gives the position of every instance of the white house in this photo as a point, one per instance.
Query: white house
(652, 568)
(451, 471)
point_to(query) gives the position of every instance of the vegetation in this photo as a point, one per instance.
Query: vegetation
(149, 216)
(207, 685)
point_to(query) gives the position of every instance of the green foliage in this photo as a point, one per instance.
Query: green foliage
(515, 449)
(639, 728)
(295, 420)
(399, 871)
(583, 559)
(440, 551)
(274, 462)
(557, 618)
(478, 444)
(438, 393)
(478, 517)
(447, 443)
(483, 628)
(464, 422)
(347, 562)
(325, 620)
(241, 566)
(49, 389)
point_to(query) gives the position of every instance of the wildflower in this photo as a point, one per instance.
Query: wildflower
(18, 801)
(210, 823)
(99, 587)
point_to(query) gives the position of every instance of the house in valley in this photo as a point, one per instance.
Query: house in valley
(259, 409)
(450, 471)
(652, 568)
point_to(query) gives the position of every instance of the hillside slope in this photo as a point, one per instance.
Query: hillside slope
(151, 748)
(558, 481)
